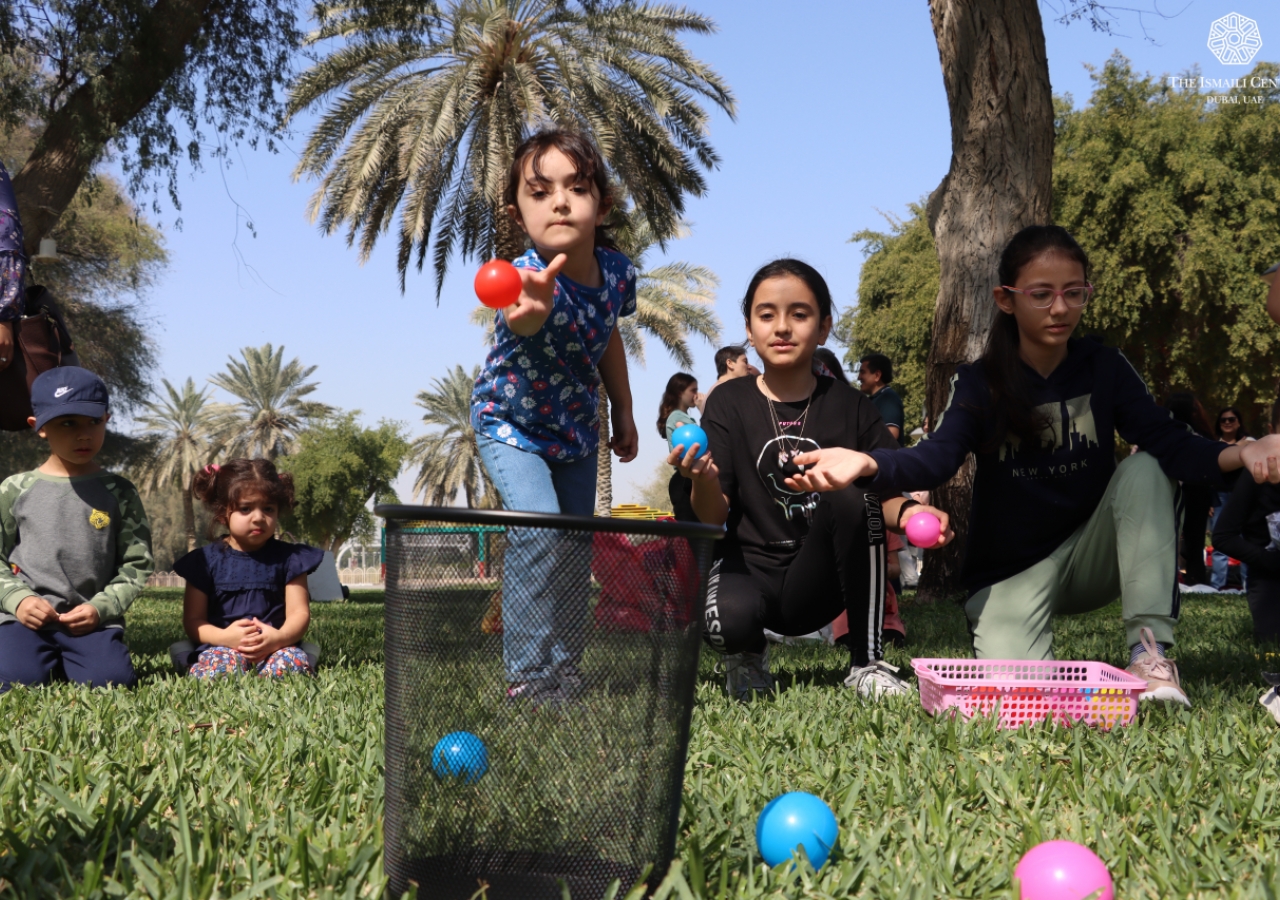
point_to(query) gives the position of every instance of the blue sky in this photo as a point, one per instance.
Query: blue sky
(842, 116)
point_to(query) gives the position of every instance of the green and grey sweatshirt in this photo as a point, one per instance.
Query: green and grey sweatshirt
(73, 540)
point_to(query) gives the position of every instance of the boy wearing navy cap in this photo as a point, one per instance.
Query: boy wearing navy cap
(75, 546)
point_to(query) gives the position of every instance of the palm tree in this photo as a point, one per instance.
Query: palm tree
(271, 410)
(449, 459)
(182, 423)
(429, 124)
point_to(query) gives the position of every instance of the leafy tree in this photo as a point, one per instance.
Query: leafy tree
(272, 410)
(897, 290)
(427, 124)
(337, 469)
(1174, 195)
(146, 78)
(110, 257)
(1171, 193)
(181, 423)
(448, 460)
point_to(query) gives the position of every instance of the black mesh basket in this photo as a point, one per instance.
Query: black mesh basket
(540, 674)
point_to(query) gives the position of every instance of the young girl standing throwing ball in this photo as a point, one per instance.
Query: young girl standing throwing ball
(246, 603)
(1056, 527)
(793, 557)
(535, 404)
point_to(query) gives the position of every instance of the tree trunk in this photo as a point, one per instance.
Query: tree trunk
(78, 132)
(996, 74)
(189, 515)
(509, 240)
(604, 474)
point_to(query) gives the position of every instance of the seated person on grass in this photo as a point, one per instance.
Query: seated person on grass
(1247, 529)
(1056, 527)
(792, 557)
(75, 546)
(246, 605)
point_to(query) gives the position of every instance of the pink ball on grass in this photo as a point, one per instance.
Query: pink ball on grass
(924, 529)
(1063, 870)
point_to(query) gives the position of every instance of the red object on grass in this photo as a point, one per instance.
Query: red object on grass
(498, 284)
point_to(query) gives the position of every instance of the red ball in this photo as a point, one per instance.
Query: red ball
(498, 284)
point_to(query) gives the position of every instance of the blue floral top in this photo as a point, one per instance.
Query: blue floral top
(246, 585)
(541, 393)
(13, 259)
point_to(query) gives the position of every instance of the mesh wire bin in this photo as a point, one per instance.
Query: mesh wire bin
(566, 649)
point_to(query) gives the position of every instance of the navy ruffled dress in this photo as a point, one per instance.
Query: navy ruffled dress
(243, 585)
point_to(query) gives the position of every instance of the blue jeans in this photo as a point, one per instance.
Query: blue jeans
(546, 583)
(1218, 574)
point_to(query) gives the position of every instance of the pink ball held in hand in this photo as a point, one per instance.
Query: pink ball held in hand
(924, 529)
(1063, 870)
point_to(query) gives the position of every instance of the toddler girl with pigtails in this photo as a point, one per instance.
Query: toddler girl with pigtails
(246, 604)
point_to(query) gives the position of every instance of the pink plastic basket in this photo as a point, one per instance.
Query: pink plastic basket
(1021, 690)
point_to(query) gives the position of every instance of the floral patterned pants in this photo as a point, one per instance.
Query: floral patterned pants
(218, 661)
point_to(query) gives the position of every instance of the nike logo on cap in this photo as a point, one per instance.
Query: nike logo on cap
(60, 391)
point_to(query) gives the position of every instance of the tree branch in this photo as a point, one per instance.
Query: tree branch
(98, 109)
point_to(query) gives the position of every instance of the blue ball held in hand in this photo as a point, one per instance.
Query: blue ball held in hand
(687, 436)
(460, 754)
(793, 820)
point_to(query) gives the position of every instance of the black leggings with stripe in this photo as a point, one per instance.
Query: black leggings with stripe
(842, 565)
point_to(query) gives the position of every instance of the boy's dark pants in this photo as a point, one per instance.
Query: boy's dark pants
(99, 658)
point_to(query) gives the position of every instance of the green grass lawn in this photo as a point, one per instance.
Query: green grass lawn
(248, 788)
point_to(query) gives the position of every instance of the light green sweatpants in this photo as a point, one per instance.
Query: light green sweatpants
(1128, 549)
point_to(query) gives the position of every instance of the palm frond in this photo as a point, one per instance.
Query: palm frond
(423, 124)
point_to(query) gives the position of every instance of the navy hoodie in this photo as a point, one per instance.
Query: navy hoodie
(1029, 498)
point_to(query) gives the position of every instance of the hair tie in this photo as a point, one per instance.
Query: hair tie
(211, 468)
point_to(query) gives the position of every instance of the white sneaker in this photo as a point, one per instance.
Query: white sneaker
(1271, 703)
(747, 672)
(1160, 674)
(880, 679)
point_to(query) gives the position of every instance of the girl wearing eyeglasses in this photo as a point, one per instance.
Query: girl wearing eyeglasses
(1056, 527)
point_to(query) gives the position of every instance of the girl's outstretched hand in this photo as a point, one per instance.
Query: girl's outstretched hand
(1261, 459)
(683, 458)
(831, 469)
(528, 314)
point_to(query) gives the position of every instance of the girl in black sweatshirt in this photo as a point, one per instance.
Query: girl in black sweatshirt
(1056, 527)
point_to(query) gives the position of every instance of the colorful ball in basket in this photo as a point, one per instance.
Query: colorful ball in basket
(923, 530)
(461, 755)
(498, 284)
(792, 820)
(1063, 870)
(688, 435)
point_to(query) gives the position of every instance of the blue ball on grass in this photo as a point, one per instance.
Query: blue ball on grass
(460, 755)
(793, 820)
(687, 436)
